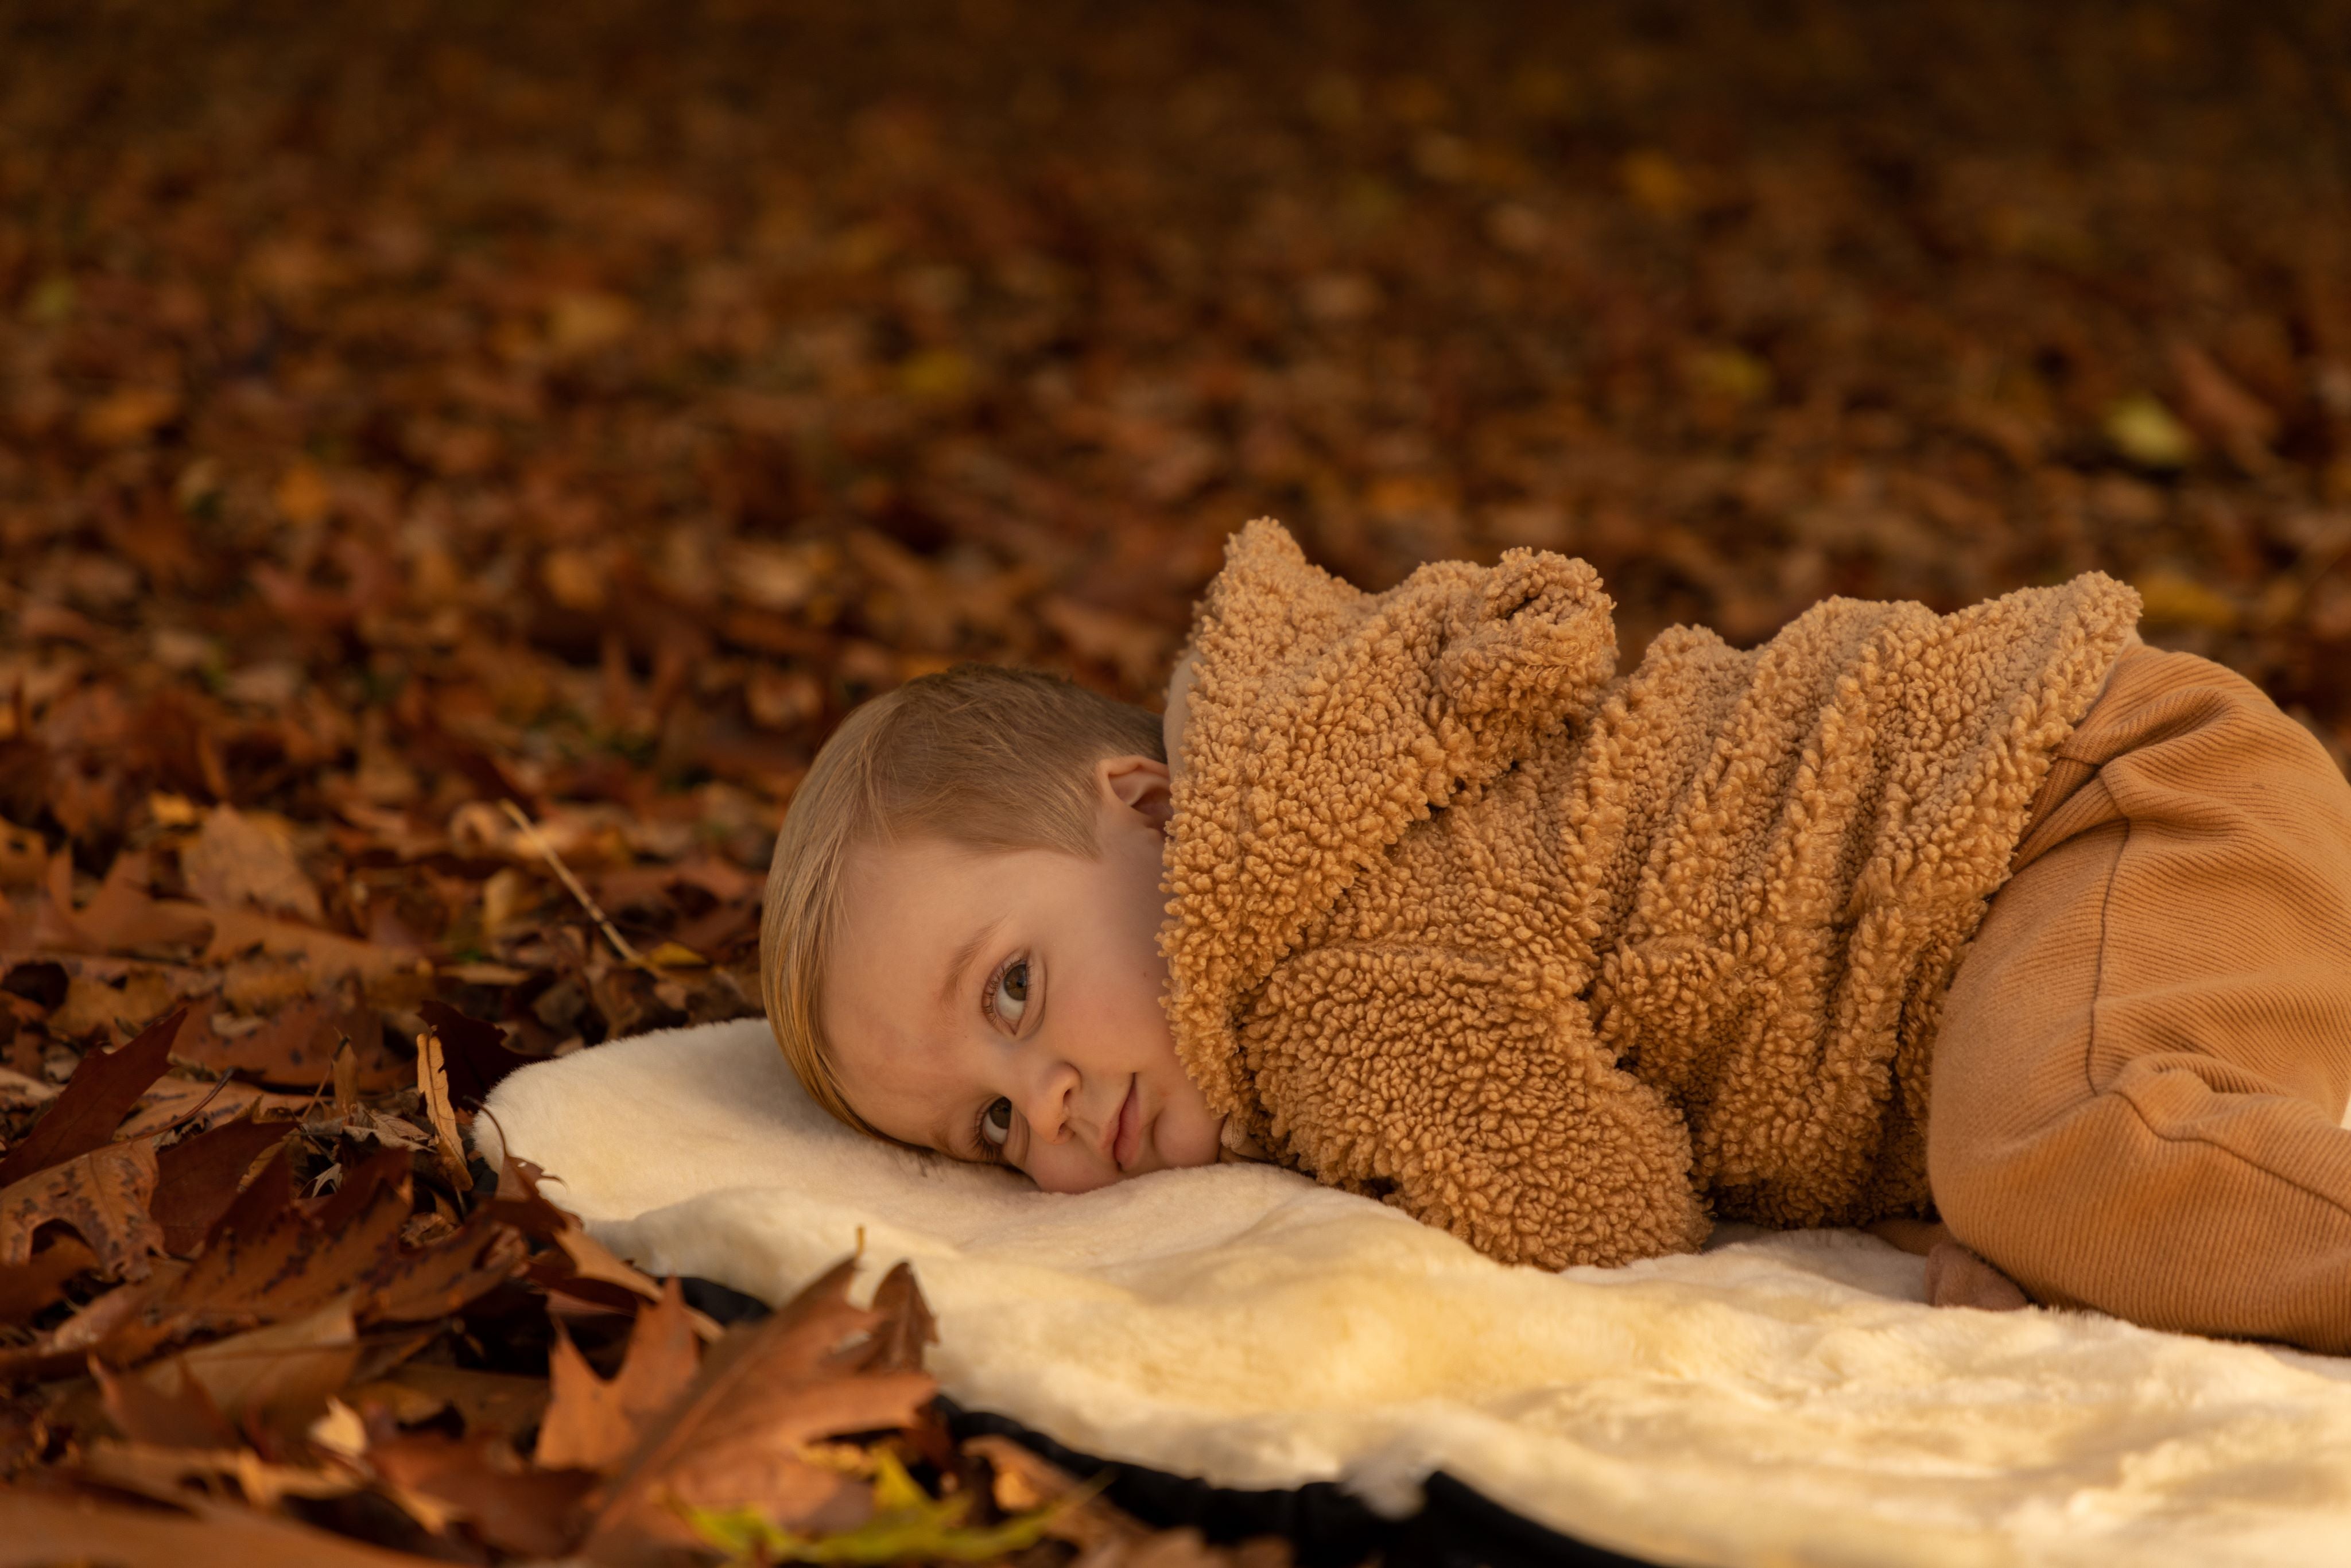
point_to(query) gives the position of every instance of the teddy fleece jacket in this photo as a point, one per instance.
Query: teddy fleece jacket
(1572, 964)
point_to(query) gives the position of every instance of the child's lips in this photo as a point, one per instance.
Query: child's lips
(1126, 1133)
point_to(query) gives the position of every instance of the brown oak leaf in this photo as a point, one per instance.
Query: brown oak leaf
(103, 1195)
(734, 1439)
(594, 1425)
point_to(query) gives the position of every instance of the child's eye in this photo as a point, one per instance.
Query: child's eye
(1011, 998)
(996, 1123)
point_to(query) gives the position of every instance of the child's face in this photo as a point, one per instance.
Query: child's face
(1005, 1005)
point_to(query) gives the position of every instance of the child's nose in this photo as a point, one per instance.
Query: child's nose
(1051, 1090)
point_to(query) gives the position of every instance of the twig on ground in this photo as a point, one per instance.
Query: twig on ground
(629, 954)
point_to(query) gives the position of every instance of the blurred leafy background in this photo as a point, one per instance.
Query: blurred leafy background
(408, 407)
(411, 408)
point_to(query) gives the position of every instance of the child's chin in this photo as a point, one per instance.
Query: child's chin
(1192, 1147)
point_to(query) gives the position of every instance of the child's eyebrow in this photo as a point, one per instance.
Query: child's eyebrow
(961, 960)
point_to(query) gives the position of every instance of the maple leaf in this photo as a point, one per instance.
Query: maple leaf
(733, 1440)
(103, 1195)
(103, 1090)
(594, 1425)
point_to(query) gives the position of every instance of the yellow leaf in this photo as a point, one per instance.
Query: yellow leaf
(677, 956)
(2174, 598)
(173, 810)
(2148, 433)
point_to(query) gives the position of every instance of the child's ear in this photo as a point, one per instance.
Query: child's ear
(1140, 784)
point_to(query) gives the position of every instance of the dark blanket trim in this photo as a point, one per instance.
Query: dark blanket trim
(1327, 1526)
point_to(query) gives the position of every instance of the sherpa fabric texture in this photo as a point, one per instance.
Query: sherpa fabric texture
(1779, 1398)
(1572, 965)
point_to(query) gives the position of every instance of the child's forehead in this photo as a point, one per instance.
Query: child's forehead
(875, 867)
(912, 894)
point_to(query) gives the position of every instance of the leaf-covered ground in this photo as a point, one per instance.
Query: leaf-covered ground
(456, 462)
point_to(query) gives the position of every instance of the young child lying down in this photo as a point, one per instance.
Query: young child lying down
(1997, 915)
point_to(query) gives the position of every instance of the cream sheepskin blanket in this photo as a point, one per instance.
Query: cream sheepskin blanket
(1778, 1398)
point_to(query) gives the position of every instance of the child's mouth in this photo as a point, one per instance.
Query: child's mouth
(1128, 1134)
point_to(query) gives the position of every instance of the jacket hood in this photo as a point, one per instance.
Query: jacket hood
(1324, 721)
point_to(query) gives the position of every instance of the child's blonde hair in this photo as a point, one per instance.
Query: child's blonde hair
(986, 757)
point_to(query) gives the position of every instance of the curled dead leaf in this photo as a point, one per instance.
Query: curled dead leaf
(432, 1086)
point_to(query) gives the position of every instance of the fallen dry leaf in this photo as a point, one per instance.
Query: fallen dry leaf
(279, 1376)
(413, 1284)
(264, 1266)
(515, 1506)
(28, 1289)
(474, 1053)
(163, 1405)
(18, 1092)
(101, 1093)
(297, 1046)
(64, 1350)
(733, 1440)
(198, 1177)
(122, 917)
(432, 1087)
(24, 859)
(498, 1402)
(238, 860)
(44, 1531)
(330, 956)
(103, 1195)
(165, 1474)
(94, 1005)
(593, 1424)
(194, 1105)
